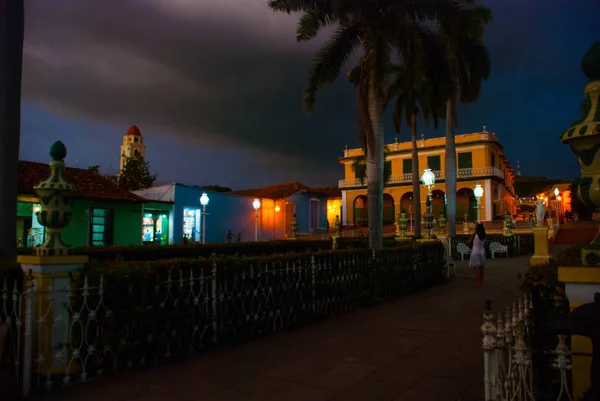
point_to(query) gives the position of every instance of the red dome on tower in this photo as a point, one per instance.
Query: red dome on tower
(133, 131)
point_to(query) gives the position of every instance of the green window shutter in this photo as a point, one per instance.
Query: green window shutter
(434, 163)
(407, 166)
(465, 160)
(387, 170)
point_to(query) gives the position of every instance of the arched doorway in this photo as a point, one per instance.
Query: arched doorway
(438, 202)
(466, 203)
(388, 209)
(406, 202)
(360, 211)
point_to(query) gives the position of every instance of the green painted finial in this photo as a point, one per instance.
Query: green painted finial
(590, 64)
(58, 151)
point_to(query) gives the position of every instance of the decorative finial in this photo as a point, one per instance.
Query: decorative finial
(55, 195)
(485, 129)
(58, 151)
(396, 138)
(346, 147)
(423, 136)
(590, 64)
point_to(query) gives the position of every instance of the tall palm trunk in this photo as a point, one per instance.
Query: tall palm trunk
(450, 168)
(375, 168)
(11, 62)
(415, 177)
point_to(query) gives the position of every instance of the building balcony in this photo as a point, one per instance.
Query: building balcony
(407, 178)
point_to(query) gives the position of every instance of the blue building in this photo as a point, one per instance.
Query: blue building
(234, 211)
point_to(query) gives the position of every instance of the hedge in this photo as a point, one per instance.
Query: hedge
(161, 252)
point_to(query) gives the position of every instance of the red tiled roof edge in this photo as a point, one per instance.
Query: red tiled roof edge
(286, 190)
(88, 184)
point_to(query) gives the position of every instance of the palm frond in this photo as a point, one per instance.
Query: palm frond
(329, 60)
(312, 21)
(479, 70)
(290, 6)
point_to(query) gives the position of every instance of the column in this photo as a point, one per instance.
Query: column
(344, 208)
(487, 204)
(48, 312)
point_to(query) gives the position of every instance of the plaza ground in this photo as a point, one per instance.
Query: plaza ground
(423, 347)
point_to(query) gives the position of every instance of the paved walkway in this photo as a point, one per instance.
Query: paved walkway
(424, 347)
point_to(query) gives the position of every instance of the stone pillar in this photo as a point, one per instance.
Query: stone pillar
(581, 283)
(487, 201)
(541, 254)
(584, 139)
(50, 269)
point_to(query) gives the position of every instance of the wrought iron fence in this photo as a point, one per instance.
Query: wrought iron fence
(90, 325)
(11, 326)
(508, 356)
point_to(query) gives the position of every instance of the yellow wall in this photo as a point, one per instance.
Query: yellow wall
(334, 208)
(496, 178)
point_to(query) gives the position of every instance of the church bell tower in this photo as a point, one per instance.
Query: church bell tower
(133, 145)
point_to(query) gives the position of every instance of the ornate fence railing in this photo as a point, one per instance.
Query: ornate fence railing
(509, 355)
(121, 320)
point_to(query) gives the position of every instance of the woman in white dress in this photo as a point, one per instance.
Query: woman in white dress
(477, 260)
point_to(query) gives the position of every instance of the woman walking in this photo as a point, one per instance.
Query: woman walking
(477, 260)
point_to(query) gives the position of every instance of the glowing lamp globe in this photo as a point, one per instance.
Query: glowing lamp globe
(277, 208)
(428, 177)
(256, 204)
(556, 192)
(204, 199)
(478, 191)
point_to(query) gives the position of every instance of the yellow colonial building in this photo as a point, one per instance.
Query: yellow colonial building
(480, 160)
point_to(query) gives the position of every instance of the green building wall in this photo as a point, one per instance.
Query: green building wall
(127, 222)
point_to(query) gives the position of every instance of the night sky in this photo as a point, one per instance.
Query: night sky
(216, 88)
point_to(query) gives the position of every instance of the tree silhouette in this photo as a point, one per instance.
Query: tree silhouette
(135, 174)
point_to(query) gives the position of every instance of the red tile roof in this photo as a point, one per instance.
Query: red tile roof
(274, 191)
(330, 192)
(283, 191)
(87, 183)
(134, 131)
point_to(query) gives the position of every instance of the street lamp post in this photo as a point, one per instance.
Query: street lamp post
(556, 195)
(203, 202)
(256, 206)
(428, 179)
(478, 192)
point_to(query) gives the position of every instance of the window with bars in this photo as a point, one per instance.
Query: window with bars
(407, 166)
(101, 227)
(465, 160)
(434, 163)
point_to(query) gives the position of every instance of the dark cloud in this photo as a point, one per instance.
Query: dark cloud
(223, 80)
(229, 74)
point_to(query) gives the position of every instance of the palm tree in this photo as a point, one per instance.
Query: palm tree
(417, 91)
(11, 62)
(468, 65)
(379, 28)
